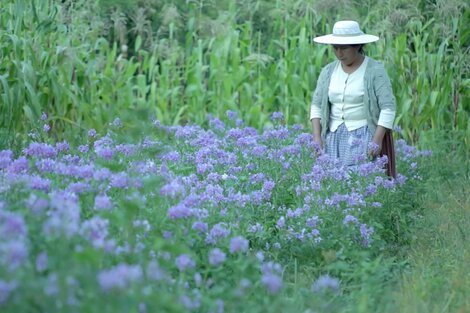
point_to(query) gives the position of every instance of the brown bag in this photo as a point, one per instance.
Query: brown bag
(389, 150)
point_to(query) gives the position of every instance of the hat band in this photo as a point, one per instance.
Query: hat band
(348, 35)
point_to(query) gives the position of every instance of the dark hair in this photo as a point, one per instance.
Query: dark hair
(361, 48)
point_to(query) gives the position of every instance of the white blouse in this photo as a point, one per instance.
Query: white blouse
(346, 95)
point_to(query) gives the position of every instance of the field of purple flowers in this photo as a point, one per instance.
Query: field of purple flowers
(219, 219)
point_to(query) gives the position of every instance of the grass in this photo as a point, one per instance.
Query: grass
(438, 279)
(429, 274)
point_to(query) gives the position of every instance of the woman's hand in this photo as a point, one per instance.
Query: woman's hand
(317, 141)
(375, 146)
(318, 144)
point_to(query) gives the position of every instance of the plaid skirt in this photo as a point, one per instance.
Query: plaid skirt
(349, 147)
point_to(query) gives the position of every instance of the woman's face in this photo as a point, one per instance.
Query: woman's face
(347, 54)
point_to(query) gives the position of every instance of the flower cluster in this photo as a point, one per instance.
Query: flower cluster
(208, 218)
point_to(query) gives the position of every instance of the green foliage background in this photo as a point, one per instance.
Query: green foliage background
(85, 63)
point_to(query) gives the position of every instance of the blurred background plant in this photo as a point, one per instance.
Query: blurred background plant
(85, 63)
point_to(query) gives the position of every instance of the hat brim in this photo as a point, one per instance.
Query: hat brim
(345, 40)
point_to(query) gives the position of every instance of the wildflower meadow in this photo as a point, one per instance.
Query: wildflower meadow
(156, 156)
(188, 218)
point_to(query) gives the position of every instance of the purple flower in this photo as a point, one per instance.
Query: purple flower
(202, 168)
(155, 272)
(144, 224)
(366, 233)
(44, 116)
(20, 165)
(172, 156)
(304, 139)
(349, 219)
(216, 257)
(277, 116)
(119, 180)
(198, 279)
(281, 222)
(255, 228)
(238, 244)
(105, 152)
(397, 129)
(173, 189)
(37, 205)
(401, 179)
(51, 287)
(313, 221)
(215, 123)
(64, 215)
(41, 262)
(179, 211)
(92, 133)
(41, 150)
(12, 225)
(273, 282)
(191, 304)
(200, 226)
(219, 230)
(45, 165)
(46, 128)
(78, 187)
(268, 186)
(6, 289)
(187, 131)
(219, 305)
(232, 115)
(62, 146)
(389, 183)
(6, 157)
(271, 267)
(373, 147)
(184, 262)
(83, 148)
(103, 202)
(117, 122)
(102, 174)
(126, 149)
(370, 190)
(39, 183)
(325, 282)
(119, 277)
(13, 254)
(95, 230)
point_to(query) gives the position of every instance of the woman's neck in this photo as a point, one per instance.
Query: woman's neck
(349, 68)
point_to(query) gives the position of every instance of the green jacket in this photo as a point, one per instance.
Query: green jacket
(378, 93)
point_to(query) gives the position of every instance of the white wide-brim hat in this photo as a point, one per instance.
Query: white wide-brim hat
(346, 33)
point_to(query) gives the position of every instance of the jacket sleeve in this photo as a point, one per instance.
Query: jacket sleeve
(315, 105)
(383, 90)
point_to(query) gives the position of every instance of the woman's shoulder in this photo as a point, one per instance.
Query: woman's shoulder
(330, 67)
(376, 68)
(375, 64)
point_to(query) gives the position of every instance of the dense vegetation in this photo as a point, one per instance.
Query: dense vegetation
(88, 62)
(156, 156)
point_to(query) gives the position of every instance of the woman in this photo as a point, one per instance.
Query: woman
(353, 106)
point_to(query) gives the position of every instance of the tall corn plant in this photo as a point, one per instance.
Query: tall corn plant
(430, 77)
(55, 63)
(253, 57)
